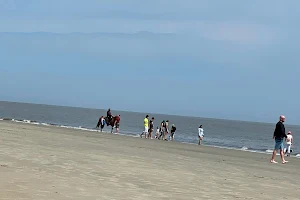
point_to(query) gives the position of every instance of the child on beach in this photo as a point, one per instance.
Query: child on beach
(289, 142)
(200, 134)
(157, 132)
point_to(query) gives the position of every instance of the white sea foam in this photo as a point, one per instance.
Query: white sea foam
(45, 124)
(244, 148)
(269, 151)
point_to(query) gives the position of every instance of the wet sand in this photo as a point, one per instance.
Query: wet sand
(39, 162)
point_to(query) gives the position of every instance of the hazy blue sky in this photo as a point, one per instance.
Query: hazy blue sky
(225, 59)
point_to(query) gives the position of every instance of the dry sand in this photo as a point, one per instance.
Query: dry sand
(39, 162)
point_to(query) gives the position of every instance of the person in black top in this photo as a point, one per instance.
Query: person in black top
(173, 129)
(109, 116)
(162, 129)
(279, 135)
(151, 128)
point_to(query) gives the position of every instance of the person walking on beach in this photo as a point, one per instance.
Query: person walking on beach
(146, 126)
(151, 128)
(279, 134)
(117, 123)
(162, 130)
(200, 134)
(173, 129)
(289, 142)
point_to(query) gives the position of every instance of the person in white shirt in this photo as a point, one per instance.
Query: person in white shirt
(289, 142)
(200, 134)
(157, 132)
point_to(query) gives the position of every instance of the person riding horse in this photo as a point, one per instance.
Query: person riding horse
(109, 116)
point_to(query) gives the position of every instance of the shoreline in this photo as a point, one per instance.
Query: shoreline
(244, 149)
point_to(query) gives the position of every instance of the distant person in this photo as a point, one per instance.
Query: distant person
(109, 116)
(279, 135)
(200, 134)
(117, 123)
(289, 143)
(162, 129)
(151, 128)
(101, 123)
(173, 129)
(166, 129)
(146, 126)
(157, 132)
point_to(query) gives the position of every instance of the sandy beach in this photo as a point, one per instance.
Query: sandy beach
(40, 162)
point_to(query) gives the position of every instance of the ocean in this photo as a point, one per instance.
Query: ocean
(241, 135)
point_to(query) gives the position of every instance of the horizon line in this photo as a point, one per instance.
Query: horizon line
(88, 33)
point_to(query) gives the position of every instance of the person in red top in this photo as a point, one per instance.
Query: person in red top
(117, 123)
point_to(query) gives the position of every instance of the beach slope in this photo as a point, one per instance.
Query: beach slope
(40, 162)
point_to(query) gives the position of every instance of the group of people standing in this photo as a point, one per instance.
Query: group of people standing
(161, 131)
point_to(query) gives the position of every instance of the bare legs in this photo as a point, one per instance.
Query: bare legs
(150, 134)
(281, 155)
(200, 140)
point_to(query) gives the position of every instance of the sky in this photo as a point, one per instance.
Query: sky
(220, 59)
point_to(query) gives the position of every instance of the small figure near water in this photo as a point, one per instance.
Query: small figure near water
(108, 116)
(173, 129)
(161, 130)
(200, 134)
(146, 127)
(151, 128)
(289, 143)
(101, 123)
(157, 132)
(164, 130)
(278, 135)
(117, 123)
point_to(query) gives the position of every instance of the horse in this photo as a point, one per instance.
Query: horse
(111, 122)
(108, 123)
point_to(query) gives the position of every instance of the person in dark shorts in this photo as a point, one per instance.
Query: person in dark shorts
(151, 128)
(279, 135)
(161, 129)
(117, 123)
(173, 129)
